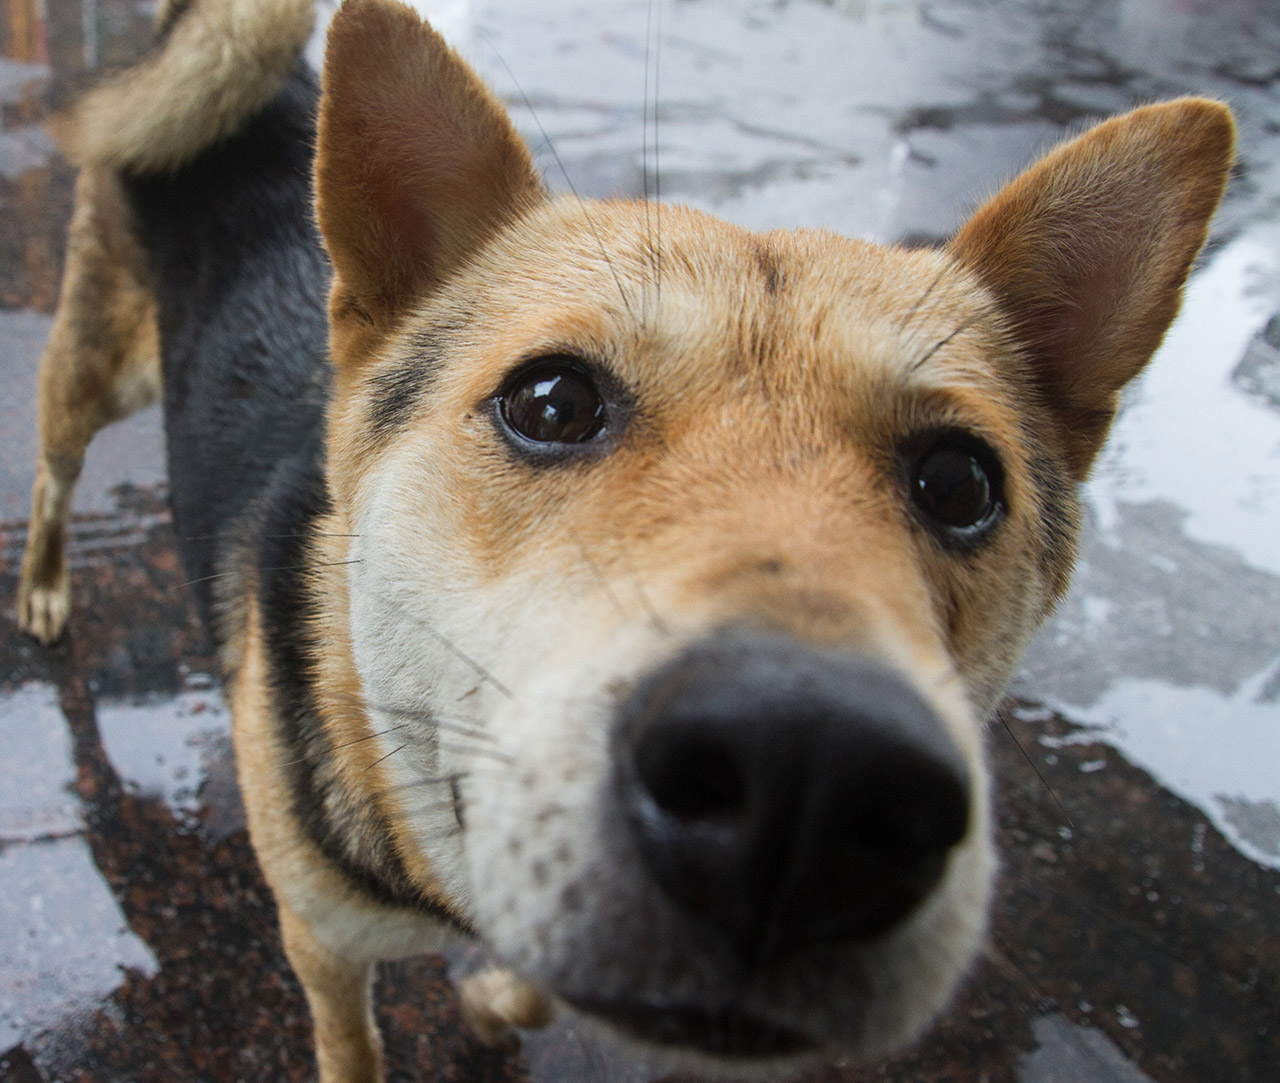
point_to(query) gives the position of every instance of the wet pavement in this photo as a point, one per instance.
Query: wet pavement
(1137, 934)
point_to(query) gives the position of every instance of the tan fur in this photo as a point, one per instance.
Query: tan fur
(774, 371)
(425, 124)
(222, 62)
(332, 933)
(1095, 221)
(101, 363)
(495, 1001)
(757, 481)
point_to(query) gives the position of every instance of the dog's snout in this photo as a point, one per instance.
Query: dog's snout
(788, 795)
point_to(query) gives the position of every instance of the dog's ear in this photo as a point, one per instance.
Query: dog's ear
(417, 166)
(1087, 253)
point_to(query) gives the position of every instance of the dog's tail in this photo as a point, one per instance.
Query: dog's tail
(214, 64)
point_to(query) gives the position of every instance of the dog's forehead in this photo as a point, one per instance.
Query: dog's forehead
(672, 296)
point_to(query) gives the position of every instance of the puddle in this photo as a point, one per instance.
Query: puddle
(1070, 1052)
(1218, 752)
(1170, 641)
(36, 772)
(65, 939)
(166, 747)
(1188, 434)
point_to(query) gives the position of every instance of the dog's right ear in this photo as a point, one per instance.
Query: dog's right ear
(417, 166)
(1087, 253)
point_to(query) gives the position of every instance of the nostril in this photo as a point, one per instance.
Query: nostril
(691, 776)
(921, 808)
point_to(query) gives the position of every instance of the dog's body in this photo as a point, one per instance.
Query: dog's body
(630, 590)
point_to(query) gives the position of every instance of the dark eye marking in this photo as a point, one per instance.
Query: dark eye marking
(956, 485)
(396, 394)
(555, 403)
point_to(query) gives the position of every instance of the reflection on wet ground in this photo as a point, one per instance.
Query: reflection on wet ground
(1137, 936)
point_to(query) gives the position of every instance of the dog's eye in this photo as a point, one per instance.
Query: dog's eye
(553, 404)
(956, 484)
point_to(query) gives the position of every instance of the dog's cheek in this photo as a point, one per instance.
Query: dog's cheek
(431, 671)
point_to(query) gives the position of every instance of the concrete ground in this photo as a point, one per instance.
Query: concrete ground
(1137, 932)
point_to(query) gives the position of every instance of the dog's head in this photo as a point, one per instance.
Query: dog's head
(706, 553)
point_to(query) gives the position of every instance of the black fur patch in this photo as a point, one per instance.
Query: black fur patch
(767, 262)
(1057, 498)
(350, 832)
(397, 392)
(240, 281)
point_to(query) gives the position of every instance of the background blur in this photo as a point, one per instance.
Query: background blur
(1137, 935)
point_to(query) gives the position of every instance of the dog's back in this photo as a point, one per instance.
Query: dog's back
(220, 200)
(240, 280)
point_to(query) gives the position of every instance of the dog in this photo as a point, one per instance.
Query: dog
(613, 585)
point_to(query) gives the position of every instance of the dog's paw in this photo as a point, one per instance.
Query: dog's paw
(43, 610)
(495, 1001)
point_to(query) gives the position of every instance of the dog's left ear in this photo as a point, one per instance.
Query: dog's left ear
(417, 167)
(1087, 253)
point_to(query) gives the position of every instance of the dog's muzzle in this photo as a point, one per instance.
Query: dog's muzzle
(786, 795)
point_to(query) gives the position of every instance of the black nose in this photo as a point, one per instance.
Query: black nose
(789, 795)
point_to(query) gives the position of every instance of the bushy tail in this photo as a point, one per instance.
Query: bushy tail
(215, 64)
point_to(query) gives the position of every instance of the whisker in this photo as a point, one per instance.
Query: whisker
(622, 293)
(434, 806)
(425, 780)
(449, 645)
(302, 534)
(605, 585)
(329, 749)
(280, 568)
(424, 716)
(917, 365)
(644, 127)
(1032, 764)
(1006, 960)
(204, 579)
(492, 753)
(1126, 926)
(652, 53)
(657, 150)
(915, 308)
(436, 836)
(387, 756)
(646, 602)
(480, 670)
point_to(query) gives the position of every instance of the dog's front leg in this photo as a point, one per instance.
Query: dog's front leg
(348, 1047)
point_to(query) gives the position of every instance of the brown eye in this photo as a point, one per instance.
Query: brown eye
(956, 484)
(553, 404)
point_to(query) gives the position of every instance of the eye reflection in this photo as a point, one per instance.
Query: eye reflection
(554, 404)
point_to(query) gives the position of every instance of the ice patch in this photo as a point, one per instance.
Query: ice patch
(1220, 752)
(160, 748)
(1187, 434)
